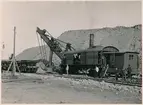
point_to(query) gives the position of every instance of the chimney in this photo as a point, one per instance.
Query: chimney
(91, 41)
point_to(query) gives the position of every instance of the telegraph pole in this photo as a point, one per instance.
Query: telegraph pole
(14, 66)
(13, 62)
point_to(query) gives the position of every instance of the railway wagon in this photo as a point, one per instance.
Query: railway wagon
(25, 66)
(99, 56)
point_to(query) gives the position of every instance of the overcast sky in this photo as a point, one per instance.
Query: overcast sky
(57, 17)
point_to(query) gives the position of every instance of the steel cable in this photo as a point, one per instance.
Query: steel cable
(42, 49)
(39, 44)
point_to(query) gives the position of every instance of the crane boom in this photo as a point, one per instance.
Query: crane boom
(53, 43)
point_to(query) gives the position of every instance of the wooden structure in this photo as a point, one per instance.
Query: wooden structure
(122, 60)
(13, 62)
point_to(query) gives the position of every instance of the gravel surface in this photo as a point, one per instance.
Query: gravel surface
(32, 89)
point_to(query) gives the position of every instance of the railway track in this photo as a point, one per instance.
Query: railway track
(125, 83)
(136, 82)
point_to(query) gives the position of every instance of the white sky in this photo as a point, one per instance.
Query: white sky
(58, 17)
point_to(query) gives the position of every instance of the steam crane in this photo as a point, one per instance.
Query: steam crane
(54, 44)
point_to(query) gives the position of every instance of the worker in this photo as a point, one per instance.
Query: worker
(74, 58)
(117, 73)
(124, 73)
(100, 70)
(68, 47)
(103, 61)
(78, 59)
(129, 70)
(67, 69)
(96, 70)
(52, 39)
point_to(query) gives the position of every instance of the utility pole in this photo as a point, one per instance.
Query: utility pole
(14, 66)
(13, 58)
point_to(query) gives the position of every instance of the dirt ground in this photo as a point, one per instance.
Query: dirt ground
(37, 89)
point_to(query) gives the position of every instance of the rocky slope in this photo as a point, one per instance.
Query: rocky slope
(124, 38)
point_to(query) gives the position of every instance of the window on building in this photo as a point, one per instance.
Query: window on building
(131, 57)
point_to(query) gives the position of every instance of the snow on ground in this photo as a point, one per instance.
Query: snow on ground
(51, 89)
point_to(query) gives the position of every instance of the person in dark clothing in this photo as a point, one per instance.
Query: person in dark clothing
(129, 71)
(68, 47)
(99, 73)
(95, 71)
(52, 39)
(117, 74)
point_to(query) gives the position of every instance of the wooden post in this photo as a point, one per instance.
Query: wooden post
(13, 58)
(14, 66)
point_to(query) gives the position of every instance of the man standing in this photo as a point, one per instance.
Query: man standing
(67, 69)
(100, 70)
(68, 47)
(129, 71)
(117, 74)
(96, 70)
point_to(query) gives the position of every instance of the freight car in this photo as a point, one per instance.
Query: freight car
(99, 56)
(25, 66)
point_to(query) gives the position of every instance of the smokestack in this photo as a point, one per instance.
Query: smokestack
(91, 41)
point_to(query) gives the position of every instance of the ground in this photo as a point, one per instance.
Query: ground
(38, 89)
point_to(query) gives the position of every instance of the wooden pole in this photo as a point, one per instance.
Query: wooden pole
(14, 66)
(13, 57)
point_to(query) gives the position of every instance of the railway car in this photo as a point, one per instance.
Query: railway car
(25, 66)
(99, 56)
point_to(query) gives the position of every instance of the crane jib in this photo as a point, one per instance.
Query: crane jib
(54, 43)
(51, 43)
